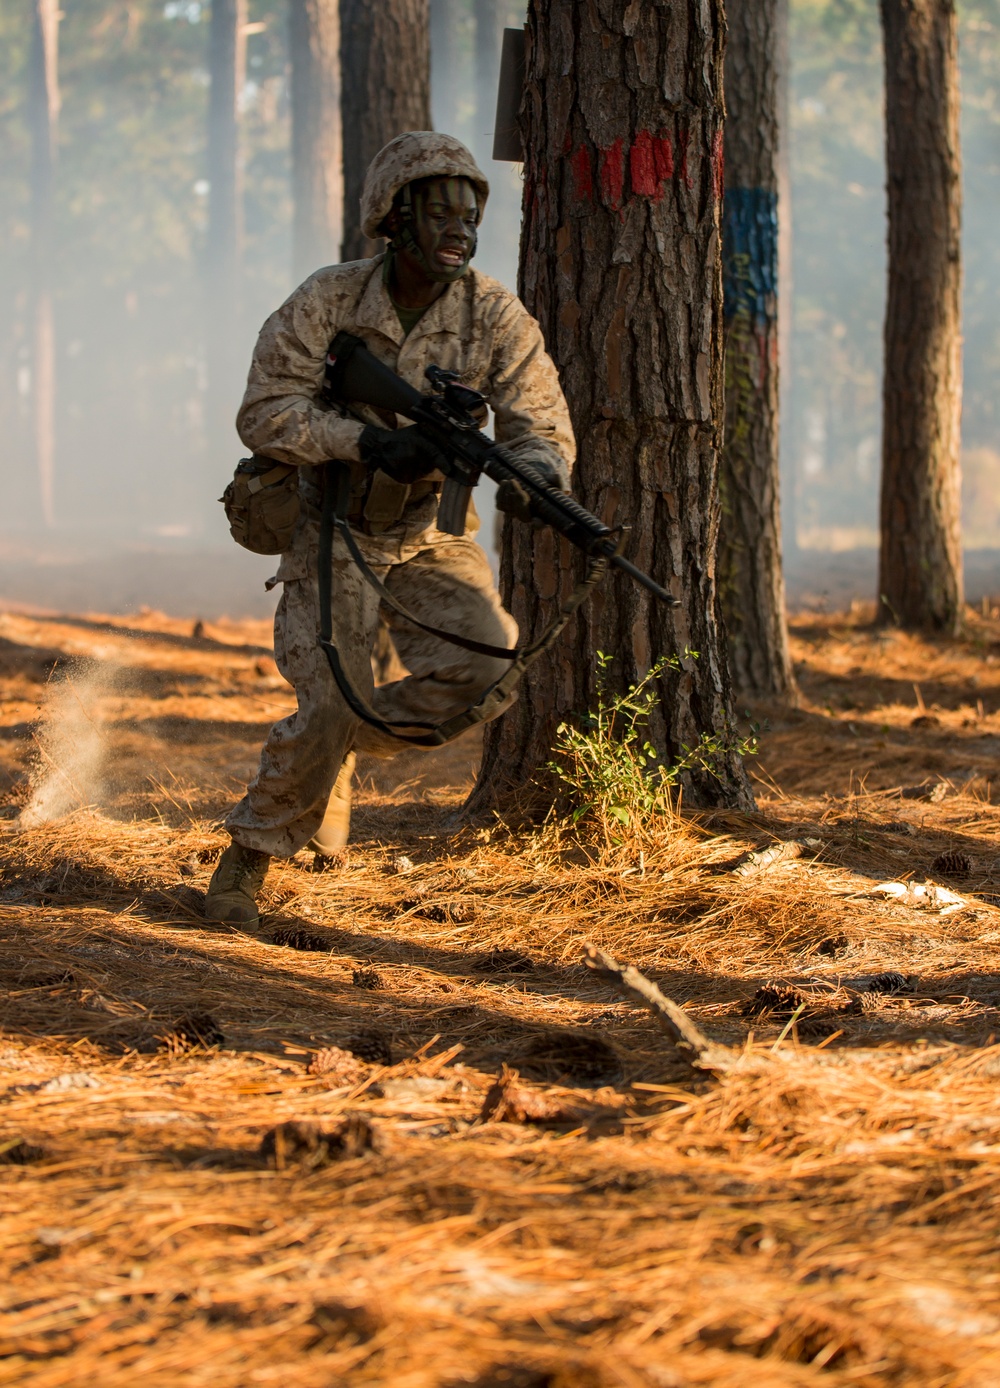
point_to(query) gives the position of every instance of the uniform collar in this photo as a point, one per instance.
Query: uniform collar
(376, 309)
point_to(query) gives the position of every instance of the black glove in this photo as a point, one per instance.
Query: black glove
(514, 499)
(402, 453)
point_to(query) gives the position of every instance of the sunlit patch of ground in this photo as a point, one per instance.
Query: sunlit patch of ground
(823, 1213)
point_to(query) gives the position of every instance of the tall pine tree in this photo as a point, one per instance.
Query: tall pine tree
(920, 560)
(620, 262)
(317, 163)
(751, 582)
(386, 90)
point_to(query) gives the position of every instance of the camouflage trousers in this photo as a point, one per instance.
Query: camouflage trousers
(442, 579)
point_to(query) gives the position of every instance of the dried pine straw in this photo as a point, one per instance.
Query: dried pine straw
(823, 1212)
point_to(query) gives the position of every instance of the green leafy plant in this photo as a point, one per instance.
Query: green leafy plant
(607, 765)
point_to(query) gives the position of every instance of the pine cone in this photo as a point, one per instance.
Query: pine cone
(373, 1046)
(872, 1001)
(952, 864)
(294, 937)
(507, 1101)
(817, 1028)
(832, 945)
(307, 1145)
(775, 998)
(889, 982)
(338, 1067)
(503, 961)
(368, 978)
(458, 912)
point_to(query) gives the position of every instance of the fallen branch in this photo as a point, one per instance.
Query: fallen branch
(760, 858)
(924, 896)
(694, 1046)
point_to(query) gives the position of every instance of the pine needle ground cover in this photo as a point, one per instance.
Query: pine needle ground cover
(402, 1135)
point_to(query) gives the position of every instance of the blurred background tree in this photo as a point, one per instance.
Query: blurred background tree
(386, 90)
(831, 424)
(920, 580)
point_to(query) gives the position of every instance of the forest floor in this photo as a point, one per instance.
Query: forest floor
(821, 1210)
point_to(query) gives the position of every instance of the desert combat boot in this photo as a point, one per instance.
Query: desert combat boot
(332, 834)
(232, 892)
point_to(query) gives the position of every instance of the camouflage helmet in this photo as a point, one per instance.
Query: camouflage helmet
(413, 155)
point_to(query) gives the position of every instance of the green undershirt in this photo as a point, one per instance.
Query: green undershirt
(408, 317)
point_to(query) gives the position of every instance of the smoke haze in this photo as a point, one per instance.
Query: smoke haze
(136, 519)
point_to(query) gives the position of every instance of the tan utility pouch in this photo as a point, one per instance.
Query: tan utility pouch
(385, 503)
(262, 505)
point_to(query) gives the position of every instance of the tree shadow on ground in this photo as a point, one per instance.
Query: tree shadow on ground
(163, 638)
(124, 980)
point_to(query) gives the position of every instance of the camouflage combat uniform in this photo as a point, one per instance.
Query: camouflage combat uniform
(482, 331)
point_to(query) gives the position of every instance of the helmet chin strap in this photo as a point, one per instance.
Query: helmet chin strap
(406, 239)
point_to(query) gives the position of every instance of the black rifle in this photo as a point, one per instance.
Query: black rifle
(447, 418)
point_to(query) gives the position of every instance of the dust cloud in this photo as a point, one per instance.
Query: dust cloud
(73, 766)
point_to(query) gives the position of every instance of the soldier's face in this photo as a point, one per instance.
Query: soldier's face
(445, 216)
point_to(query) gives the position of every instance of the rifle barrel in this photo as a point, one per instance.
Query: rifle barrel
(645, 580)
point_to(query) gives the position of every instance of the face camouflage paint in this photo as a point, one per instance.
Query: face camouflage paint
(439, 220)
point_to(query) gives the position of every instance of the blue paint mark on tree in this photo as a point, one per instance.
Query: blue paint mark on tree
(750, 254)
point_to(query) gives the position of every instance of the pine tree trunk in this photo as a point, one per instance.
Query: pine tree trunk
(751, 582)
(786, 286)
(43, 106)
(227, 70)
(620, 261)
(386, 90)
(317, 166)
(920, 562)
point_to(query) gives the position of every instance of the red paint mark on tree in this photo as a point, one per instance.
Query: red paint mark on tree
(664, 155)
(718, 166)
(583, 178)
(651, 162)
(642, 167)
(613, 174)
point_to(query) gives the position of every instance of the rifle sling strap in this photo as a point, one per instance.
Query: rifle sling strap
(336, 501)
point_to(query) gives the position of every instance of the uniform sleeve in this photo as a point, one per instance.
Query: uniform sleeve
(280, 416)
(524, 392)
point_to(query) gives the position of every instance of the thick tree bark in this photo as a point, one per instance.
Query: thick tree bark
(43, 107)
(386, 89)
(751, 582)
(227, 70)
(317, 167)
(920, 562)
(620, 261)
